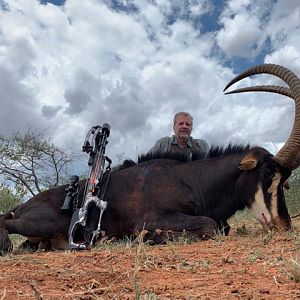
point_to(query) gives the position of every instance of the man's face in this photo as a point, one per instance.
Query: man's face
(183, 127)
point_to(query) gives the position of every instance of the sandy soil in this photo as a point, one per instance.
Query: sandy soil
(247, 264)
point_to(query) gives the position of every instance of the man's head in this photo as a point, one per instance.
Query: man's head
(182, 127)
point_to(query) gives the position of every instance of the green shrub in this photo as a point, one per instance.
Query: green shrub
(292, 195)
(7, 199)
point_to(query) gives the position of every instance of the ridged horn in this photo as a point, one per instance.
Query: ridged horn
(289, 154)
(264, 88)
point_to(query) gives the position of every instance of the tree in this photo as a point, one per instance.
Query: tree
(32, 161)
(7, 199)
(293, 194)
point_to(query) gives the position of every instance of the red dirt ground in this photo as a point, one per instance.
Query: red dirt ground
(247, 264)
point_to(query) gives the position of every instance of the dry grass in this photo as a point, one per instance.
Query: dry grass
(248, 264)
(293, 267)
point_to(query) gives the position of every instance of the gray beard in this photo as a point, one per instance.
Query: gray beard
(183, 138)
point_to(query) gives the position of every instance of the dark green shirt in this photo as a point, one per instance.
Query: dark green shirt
(170, 145)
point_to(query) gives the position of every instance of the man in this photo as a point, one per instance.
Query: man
(181, 142)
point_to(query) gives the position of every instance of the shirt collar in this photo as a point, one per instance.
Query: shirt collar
(189, 143)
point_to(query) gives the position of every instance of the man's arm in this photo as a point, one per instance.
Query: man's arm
(160, 146)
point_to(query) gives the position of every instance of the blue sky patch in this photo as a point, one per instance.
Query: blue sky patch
(55, 2)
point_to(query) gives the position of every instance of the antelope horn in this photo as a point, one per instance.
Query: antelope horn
(264, 88)
(289, 154)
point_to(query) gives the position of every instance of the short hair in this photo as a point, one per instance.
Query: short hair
(182, 113)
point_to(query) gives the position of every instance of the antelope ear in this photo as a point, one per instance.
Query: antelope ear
(249, 162)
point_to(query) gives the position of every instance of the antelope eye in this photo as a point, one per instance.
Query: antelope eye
(269, 172)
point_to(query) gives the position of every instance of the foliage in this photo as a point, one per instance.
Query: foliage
(7, 199)
(32, 161)
(293, 193)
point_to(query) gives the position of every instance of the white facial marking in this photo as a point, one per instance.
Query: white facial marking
(263, 215)
(259, 208)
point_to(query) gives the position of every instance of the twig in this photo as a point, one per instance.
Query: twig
(18, 261)
(4, 294)
(36, 292)
(295, 216)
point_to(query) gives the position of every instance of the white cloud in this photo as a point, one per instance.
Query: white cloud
(283, 31)
(288, 56)
(64, 69)
(243, 27)
(241, 36)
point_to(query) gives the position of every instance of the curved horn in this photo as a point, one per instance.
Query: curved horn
(289, 154)
(264, 88)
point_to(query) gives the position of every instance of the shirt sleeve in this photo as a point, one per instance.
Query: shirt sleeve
(159, 146)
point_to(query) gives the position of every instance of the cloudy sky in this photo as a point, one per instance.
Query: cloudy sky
(68, 65)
